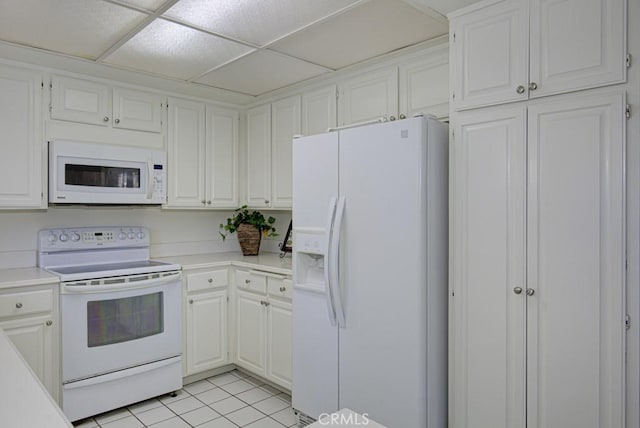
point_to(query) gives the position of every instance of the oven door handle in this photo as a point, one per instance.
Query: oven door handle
(83, 289)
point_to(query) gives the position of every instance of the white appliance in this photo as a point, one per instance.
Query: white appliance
(88, 173)
(370, 273)
(121, 317)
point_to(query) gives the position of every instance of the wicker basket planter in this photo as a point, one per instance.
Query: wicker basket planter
(249, 238)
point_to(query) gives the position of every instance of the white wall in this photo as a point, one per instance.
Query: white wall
(173, 232)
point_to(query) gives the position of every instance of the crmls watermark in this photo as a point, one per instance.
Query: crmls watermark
(339, 419)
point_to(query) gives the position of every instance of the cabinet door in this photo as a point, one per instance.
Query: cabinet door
(576, 44)
(251, 318)
(279, 342)
(490, 51)
(319, 110)
(186, 154)
(369, 97)
(424, 86)
(222, 157)
(259, 156)
(487, 311)
(137, 110)
(79, 100)
(33, 337)
(206, 331)
(21, 163)
(575, 211)
(285, 123)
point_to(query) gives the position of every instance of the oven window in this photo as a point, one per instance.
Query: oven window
(122, 320)
(101, 176)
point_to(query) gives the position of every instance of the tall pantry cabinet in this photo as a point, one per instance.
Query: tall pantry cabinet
(537, 244)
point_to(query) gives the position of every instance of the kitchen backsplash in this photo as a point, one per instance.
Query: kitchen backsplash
(173, 232)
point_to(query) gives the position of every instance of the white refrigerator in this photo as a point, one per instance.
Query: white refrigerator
(370, 273)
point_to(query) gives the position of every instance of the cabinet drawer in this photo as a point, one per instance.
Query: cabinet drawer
(205, 280)
(26, 303)
(279, 287)
(251, 281)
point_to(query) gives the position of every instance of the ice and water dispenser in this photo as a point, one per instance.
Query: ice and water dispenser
(309, 258)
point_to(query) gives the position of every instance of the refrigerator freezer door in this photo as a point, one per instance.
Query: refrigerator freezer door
(315, 354)
(383, 272)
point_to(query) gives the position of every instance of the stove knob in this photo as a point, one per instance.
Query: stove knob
(52, 238)
(75, 237)
(141, 235)
(64, 237)
(122, 235)
(132, 235)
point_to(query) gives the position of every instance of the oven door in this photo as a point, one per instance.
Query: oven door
(117, 325)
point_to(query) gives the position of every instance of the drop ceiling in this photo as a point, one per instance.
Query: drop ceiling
(245, 46)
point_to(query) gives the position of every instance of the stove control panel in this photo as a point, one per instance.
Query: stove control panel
(86, 238)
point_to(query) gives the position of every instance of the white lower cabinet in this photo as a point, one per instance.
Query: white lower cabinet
(29, 316)
(206, 332)
(537, 307)
(263, 325)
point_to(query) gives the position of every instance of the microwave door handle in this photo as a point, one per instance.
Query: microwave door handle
(149, 179)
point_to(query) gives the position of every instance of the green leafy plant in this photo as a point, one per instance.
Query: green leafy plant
(244, 216)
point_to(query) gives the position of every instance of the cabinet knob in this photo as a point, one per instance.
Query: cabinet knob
(106, 118)
(262, 302)
(266, 201)
(283, 289)
(191, 301)
(267, 303)
(247, 281)
(18, 305)
(208, 202)
(203, 201)
(533, 86)
(517, 290)
(49, 323)
(392, 118)
(520, 89)
(530, 291)
(117, 121)
(210, 280)
(402, 116)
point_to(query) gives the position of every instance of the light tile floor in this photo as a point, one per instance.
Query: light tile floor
(229, 400)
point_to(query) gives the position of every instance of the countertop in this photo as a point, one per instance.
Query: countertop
(24, 402)
(265, 261)
(19, 277)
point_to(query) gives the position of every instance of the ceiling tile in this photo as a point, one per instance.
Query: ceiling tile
(261, 72)
(145, 4)
(442, 6)
(257, 22)
(173, 50)
(366, 31)
(83, 28)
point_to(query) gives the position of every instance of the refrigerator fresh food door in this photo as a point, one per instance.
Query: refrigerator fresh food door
(315, 333)
(383, 345)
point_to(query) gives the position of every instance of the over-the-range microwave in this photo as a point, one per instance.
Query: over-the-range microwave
(89, 173)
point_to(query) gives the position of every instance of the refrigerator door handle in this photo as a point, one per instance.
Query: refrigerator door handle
(327, 251)
(333, 263)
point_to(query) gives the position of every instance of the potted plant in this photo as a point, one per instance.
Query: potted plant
(250, 225)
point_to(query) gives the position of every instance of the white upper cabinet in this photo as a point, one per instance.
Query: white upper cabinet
(424, 86)
(78, 100)
(21, 164)
(203, 155)
(285, 123)
(94, 103)
(511, 50)
(259, 156)
(368, 97)
(137, 110)
(319, 110)
(186, 154)
(270, 131)
(222, 157)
